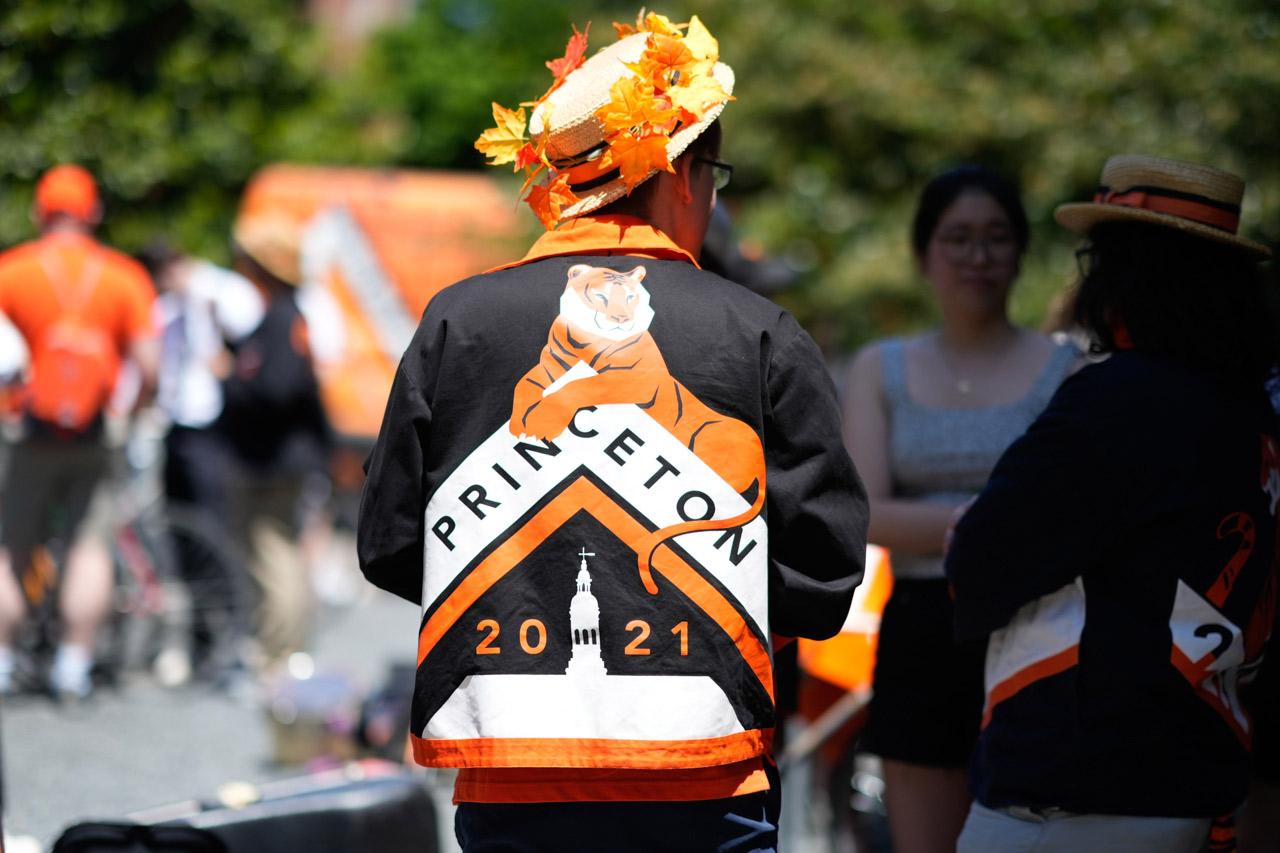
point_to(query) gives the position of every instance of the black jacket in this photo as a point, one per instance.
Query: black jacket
(702, 396)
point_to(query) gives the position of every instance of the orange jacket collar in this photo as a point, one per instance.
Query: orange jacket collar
(604, 235)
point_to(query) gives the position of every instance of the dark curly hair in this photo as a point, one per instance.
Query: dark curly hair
(940, 192)
(1195, 300)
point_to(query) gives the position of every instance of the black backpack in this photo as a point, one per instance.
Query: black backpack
(271, 400)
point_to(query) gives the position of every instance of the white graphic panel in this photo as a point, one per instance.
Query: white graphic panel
(1046, 627)
(626, 707)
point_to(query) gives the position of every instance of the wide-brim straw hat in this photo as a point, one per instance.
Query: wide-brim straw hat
(1200, 201)
(273, 242)
(576, 137)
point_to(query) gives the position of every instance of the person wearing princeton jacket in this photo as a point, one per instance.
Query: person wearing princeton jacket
(610, 478)
(1121, 561)
(82, 309)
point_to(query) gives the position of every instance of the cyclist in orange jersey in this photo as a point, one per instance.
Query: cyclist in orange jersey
(82, 309)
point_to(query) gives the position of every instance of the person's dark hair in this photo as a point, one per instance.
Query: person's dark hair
(940, 192)
(1192, 299)
(157, 255)
(637, 203)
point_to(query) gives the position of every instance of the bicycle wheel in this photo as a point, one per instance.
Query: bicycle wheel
(218, 595)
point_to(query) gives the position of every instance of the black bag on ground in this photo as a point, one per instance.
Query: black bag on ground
(326, 812)
(108, 837)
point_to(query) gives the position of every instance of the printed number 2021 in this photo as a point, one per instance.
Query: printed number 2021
(533, 637)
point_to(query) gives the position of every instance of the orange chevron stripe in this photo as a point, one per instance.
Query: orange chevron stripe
(585, 495)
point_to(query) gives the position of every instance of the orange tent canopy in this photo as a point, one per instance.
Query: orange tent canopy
(381, 244)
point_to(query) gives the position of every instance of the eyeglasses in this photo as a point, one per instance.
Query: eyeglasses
(959, 247)
(721, 173)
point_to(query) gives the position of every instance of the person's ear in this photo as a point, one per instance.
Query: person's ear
(684, 179)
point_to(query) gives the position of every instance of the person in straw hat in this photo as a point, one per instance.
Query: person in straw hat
(609, 477)
(1120, 560)
(275, 425)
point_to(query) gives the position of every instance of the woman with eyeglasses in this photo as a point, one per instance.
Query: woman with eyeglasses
(926, 419)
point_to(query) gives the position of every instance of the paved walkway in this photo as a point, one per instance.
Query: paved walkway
(141, 746)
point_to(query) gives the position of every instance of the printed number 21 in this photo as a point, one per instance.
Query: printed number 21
(636, 647)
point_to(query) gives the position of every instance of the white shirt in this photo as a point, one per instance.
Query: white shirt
(218, 305)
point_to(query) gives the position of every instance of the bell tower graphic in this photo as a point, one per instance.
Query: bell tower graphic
(584, 619)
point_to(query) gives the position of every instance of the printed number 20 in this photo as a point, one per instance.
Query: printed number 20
(533, 637)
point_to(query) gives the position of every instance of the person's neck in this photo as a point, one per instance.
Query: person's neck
(976, 336)
(64, 226)
(667, 220)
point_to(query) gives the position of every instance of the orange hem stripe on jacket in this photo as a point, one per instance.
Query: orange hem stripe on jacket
(600, 753)
(1025, 677)
(542, 785)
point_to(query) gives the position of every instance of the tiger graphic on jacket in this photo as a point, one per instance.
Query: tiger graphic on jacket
(604, 323)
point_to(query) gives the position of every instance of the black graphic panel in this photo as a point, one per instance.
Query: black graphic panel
(522, 626)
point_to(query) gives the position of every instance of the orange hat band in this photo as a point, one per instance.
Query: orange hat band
(1195, 208)
(591, 174)
(587, 172)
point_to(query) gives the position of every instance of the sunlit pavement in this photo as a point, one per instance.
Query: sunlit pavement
(139, 745)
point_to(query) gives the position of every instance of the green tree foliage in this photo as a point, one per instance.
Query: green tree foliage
(172, 104)
(845, 110)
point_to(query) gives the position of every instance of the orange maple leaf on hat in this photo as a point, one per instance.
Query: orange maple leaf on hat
(636, 156)
(634, 104)
(693, 99)
(502, 144)
(547, 200)
(651, 22)
(575, 53)
(655, 23)
(527, 156)
(665, 60)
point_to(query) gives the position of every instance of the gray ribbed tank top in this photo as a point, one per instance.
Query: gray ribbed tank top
(946, 455)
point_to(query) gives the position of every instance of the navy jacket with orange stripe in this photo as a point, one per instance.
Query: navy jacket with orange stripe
(1122, 560)
(609, 477)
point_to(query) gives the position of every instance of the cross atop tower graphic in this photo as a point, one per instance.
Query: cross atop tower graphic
(584, 553)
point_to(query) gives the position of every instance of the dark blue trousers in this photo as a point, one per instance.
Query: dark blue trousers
(747, 824)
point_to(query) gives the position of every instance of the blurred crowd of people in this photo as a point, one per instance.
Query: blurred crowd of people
(222, 359)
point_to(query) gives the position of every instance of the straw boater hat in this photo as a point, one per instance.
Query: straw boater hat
(1198, 200)
(273, 242)
(575, 136)
(611, 122)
